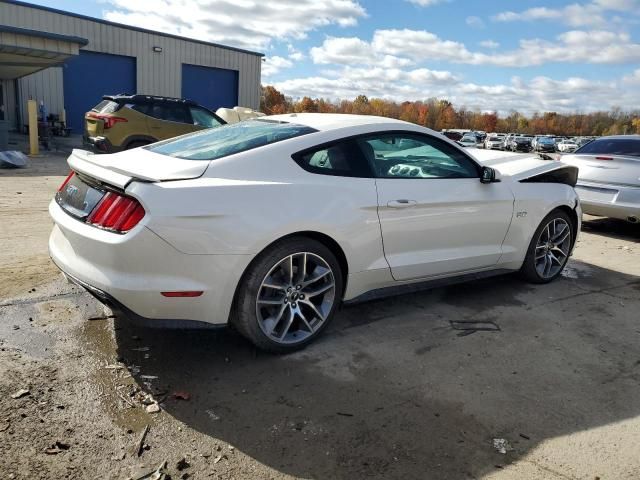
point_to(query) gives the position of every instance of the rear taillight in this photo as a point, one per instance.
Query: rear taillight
(66, 180)
(108, 120)
(117, 213)
(604, 158)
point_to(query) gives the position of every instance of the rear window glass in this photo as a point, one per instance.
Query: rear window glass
(612, 146)
(106, 106)
(227, 140)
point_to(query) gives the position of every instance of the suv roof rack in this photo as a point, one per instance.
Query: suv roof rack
(141, 98)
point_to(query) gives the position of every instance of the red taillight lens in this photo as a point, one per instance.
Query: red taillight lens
(108, 120)
(604, 158)
(116, 212)
(66, 180)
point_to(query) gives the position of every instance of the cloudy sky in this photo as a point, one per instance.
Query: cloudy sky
(493, 54)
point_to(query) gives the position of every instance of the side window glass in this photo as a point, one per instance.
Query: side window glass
(143, 108)
(176, 113)
(157, 111)
(203, 118)
(407, 155)
(342, 159)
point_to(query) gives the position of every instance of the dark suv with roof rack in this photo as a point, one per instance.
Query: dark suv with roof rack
(121, 122)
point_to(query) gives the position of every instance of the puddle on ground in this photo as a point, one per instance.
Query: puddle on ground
(114, 384)
(575, 271)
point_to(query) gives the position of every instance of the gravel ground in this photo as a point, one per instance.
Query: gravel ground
(391, 391)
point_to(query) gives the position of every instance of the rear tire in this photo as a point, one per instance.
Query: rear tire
(288, 296)
(549, 250)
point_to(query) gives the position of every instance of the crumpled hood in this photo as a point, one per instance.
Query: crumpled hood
(517, 166)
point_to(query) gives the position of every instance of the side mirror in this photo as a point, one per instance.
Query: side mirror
(488, 175)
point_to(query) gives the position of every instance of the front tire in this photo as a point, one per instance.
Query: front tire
(289, 295)
(549, 249)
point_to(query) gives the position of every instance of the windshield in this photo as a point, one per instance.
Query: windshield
(469, 138)
(613, 146)
(227, 140)
(546, 140)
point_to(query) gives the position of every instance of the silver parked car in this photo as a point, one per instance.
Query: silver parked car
(609, 176)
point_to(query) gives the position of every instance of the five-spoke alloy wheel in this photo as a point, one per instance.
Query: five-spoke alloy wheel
(295, 297)
(553, 247)
(549, 249)
(289, 295)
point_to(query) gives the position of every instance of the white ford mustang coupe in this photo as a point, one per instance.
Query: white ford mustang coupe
(269, 224)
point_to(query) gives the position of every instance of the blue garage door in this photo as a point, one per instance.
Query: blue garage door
(91, 75)
(210, 87)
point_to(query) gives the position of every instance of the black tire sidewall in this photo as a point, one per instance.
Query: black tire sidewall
(245, 319)
(528, 267)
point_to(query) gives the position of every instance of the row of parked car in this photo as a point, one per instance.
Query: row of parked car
(518, 142)
(609, 166)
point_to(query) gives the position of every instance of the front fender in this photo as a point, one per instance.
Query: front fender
(533, 202)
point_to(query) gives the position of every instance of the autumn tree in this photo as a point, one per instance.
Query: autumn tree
(439, 113)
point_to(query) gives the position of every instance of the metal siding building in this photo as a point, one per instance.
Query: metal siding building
(133, 60)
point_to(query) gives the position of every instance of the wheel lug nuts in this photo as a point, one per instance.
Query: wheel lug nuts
(298, 287)
(301, 297)
(293, 305)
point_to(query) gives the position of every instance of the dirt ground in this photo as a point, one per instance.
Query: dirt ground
(391, 391)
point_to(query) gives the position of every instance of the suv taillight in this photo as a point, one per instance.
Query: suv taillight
(66, 180)
(107, 119)
(117, 213)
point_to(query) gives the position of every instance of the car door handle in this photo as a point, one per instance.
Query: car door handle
(402, 203)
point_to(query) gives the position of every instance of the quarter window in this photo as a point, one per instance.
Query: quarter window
(406, 155)
(340, 159)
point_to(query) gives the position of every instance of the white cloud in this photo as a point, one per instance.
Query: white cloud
(249, 24)
(538, 94)
(592, 14)
(417, 44)
(632, 79)
(343, 50)
(489, 44)
(273, 65)
(473, 21)
(426, 3)
(295, 54)
(576, 46)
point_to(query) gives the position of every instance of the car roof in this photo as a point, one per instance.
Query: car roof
(619, 137)
(334, 121)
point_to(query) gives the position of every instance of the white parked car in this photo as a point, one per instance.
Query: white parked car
(567, 145)
(494, 143)
(471, 140)
(609, 177)
(269, 224)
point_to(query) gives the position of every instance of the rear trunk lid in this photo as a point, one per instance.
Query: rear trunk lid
(120, 169)
(606, 169)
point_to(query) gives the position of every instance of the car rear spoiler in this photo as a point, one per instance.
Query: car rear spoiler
(82, 161)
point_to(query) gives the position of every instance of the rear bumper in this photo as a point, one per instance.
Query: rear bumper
(612, 201)
(129, 272)
(100, 145)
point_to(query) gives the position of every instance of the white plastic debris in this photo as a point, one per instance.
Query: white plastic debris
(501, 445)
